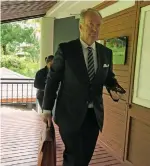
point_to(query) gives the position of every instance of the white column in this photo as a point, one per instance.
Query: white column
(46, 39)
(46, 43)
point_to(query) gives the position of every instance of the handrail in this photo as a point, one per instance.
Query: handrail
(17, 79)
(17, 91)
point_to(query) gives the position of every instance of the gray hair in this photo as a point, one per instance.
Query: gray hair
(85, 12)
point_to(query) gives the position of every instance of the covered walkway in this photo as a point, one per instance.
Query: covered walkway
(20, 133)
(127, 123)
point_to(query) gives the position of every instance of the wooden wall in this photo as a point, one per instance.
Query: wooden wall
(137, 147)
(127, 126)
(119, 24)
(138, 136)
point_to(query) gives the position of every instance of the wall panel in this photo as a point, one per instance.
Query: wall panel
(126, 126)
(139, 143)
(119, 24)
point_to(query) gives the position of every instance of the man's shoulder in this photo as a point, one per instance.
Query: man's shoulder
(103, 47)
(40, 71)
(69, 44)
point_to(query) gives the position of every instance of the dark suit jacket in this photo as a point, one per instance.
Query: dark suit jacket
(69, 69)
(40, 81)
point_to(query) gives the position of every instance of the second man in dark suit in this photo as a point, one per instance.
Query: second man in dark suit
(40, 79)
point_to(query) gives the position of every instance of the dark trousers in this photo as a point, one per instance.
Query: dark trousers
(80, 145)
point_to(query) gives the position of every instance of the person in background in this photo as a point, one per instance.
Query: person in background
(40, 79)
(81, 67)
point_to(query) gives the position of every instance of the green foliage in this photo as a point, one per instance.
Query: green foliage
(12, 62)
(20, 65)
(20, 38)
(14, 32)
(17, 33)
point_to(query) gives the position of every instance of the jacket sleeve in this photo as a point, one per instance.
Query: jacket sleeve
(111, 83)
(110, 80)
(54, 77)
(39, 81)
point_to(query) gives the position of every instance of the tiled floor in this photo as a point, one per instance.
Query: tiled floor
(20, 133)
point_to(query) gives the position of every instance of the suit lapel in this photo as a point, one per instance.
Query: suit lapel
(100, 60)
(78, 62)
(100, 56)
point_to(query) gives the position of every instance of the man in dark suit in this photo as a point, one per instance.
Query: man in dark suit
(40, 79)
(81, 68)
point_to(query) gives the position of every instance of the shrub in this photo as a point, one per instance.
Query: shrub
(20, 65)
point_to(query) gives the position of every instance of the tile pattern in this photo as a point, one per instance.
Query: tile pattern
(20, 133)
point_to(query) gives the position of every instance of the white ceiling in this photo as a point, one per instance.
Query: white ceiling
(67, 8)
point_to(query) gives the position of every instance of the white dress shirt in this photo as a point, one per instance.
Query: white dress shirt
(85, 53)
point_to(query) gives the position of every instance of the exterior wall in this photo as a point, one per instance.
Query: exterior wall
(119, 24)
(138, 128)
(126, 126)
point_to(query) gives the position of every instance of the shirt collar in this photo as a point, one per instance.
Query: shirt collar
(84, 45)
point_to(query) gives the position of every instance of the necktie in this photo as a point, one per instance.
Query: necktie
(91, 70)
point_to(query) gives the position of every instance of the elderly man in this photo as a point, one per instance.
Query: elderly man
(81, 67)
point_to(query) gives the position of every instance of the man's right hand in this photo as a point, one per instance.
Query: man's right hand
(47, 118)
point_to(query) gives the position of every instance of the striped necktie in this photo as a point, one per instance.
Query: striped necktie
(91, 70)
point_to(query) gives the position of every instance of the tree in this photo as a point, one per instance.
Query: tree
(17, 39)
(13, 34)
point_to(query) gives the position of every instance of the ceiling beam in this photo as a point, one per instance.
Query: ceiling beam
(104, 4)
